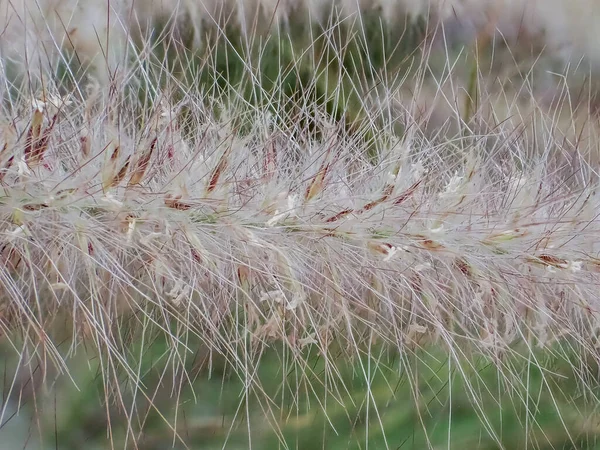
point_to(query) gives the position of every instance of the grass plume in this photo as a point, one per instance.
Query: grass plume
(196, 215)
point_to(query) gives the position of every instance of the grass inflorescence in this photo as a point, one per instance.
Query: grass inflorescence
(298, 204)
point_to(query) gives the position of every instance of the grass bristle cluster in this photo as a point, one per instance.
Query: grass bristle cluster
(189, 214)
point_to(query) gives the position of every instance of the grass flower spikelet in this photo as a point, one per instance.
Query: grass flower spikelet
(451, 256)
(177, 208)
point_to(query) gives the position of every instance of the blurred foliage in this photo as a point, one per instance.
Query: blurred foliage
(327, 64)
(385, 399)
(333, 70)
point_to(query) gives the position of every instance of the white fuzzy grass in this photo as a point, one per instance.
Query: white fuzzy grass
(109, 210)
